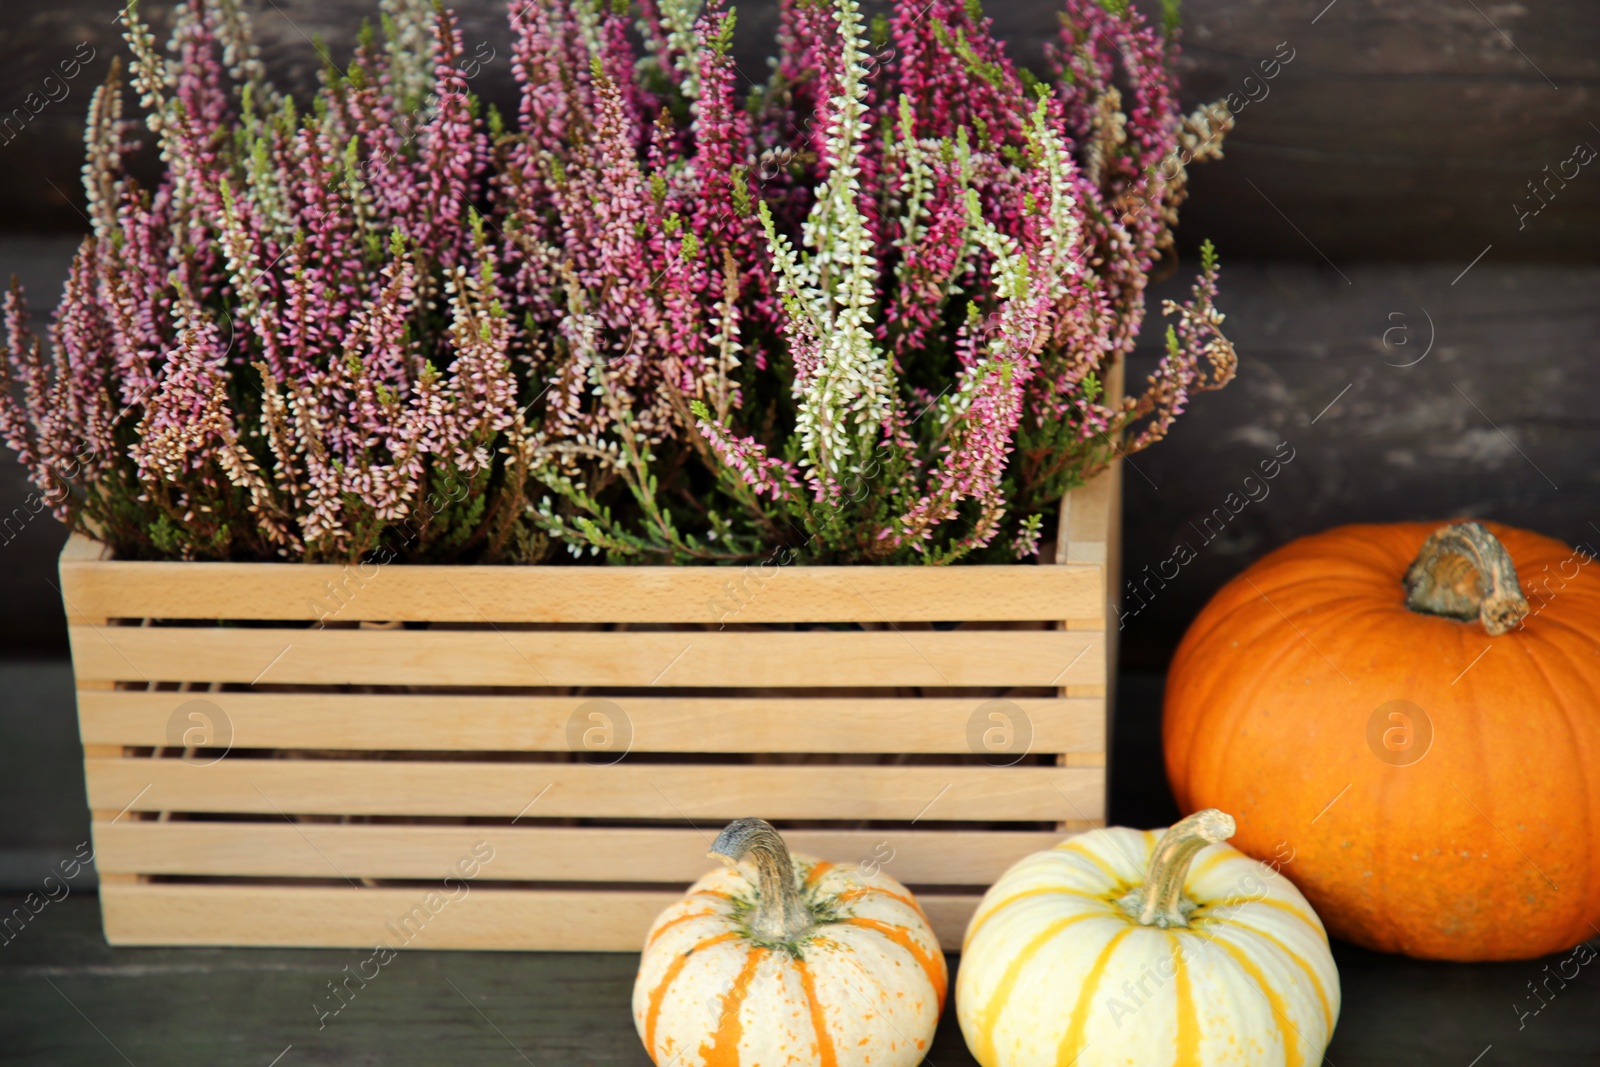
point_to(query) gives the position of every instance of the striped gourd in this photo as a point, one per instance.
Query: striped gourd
(803, 964)
(1129, 947)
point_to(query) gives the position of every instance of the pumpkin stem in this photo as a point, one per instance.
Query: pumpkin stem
(1159, 902)
(1464, 572)
(780, 914)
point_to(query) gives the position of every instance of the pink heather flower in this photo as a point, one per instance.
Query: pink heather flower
(749, 459)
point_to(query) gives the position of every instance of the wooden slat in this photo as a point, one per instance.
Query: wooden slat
(1112, 590)
(715, 595)
(524, 853)
(541, 724)
(627, 790)
(483, 918)
(560, 658)
(1085, 515)
(80, 549)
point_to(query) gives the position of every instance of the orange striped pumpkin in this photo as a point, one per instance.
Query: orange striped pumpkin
(788, 960)
(1136, 947)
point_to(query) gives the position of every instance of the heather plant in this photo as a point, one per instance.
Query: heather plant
(296, 342)
(866, 314)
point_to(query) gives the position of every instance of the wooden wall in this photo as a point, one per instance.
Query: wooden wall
(1400, 129)
(1494, 417)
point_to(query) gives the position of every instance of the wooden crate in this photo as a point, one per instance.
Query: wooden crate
(443, 712)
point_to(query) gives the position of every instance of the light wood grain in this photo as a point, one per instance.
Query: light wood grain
(1090, 532)
(626, 790)
(716, 595)
(532, 853)
(1112, 591)
(81, 549)
(593, 723)
(558, 658)
(1085, 513)
(557, 920)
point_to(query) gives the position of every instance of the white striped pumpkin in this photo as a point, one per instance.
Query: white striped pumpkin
(1132, 947)
(803, 965)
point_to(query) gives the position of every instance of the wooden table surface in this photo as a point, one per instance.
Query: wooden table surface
(66, 999)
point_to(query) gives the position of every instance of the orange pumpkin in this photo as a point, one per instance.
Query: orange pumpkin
(1385, 702)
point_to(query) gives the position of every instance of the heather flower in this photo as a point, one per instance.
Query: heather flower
(866, 316)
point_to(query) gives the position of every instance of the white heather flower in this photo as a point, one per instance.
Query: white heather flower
(843, 404)
(410, 50)
(678, 18)
(242, 55)
(917, 183)
(1055, 157)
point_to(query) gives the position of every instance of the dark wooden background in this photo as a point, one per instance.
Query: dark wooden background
(1387, 157)
(1402, 129)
